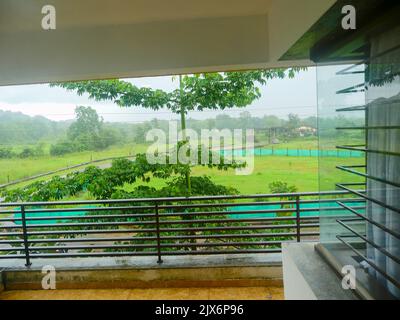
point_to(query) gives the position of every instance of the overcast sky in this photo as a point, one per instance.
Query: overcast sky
(279, 97)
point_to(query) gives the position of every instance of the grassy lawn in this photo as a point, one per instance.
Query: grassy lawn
(299, 171)
(15, 169)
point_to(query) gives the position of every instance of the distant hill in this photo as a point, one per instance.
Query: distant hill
(19, 128)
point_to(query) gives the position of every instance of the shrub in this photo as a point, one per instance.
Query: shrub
(6, 153)
(27, 153)
(62, 148)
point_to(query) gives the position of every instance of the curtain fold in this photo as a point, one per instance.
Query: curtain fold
(383, 95)
(386, 167)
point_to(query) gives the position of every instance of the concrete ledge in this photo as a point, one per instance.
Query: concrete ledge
(144, 272)
(307, 276)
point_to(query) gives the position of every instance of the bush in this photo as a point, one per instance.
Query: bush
(6, 153)
(62, 148)
(281, 187)
(27, 153)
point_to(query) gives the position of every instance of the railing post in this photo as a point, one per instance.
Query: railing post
(298, 218)
(158, 234)
(25, 237)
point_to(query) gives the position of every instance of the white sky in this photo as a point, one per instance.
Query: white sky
(279, 97)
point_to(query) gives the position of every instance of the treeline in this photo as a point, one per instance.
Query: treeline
(86, 133)
(285, 129)
(261, 125)
(18, 128)
(27, 152)
(90, 132)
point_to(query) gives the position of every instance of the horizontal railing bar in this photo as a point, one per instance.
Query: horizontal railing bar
(76, 232)
(114, 246)
(253, 235)
(213, 236)
(197, 252)
(153, 246)
(152, 215)
(205, 213)
(139, 253)
(234, 213)
(231, 204)
(358, 148)
(377, 224)
(141, 215)
(14, 226)
(93, 254)
(11, 241)
(373, 244)
(12, 256)
(368, 176)
(63, 240)
(378, 202)
(9, 220)
(12, 249)
(167, 222)
(90, 224)
(240, 204)
(354, 108)
(10, 234)
(109, 216)
(370, 262)
(100, 224)
(266, 227)
(223, 244)
(9, 211)
(171, 199)
(90, 209)
(367, 127)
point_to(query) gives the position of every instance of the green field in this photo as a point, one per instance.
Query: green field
(299, 171)
(14, 169)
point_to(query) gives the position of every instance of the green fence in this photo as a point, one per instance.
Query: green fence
(294, 153)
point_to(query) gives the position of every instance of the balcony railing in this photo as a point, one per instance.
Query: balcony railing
(162, 226)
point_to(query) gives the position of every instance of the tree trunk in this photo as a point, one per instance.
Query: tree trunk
(183, 128)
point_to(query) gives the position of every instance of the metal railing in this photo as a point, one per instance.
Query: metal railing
(162, 226)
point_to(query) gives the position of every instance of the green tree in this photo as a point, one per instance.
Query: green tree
(87, 127)
(272, 121)
(293, 123)
(282, 187)
(86, 133)
(215, 91)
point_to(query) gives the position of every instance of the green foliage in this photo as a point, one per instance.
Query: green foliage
(197, 92)
(6, 153)
(86, 133)
(62, 147)
(103, 183)
(18, 128)
(27, 152)
(281, 187)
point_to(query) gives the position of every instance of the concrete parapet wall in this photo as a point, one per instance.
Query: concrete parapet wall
(178, 273)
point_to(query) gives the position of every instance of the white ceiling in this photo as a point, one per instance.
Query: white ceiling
(127, 38)
(22, 15)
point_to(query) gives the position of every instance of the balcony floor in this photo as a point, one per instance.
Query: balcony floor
(228, 293)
